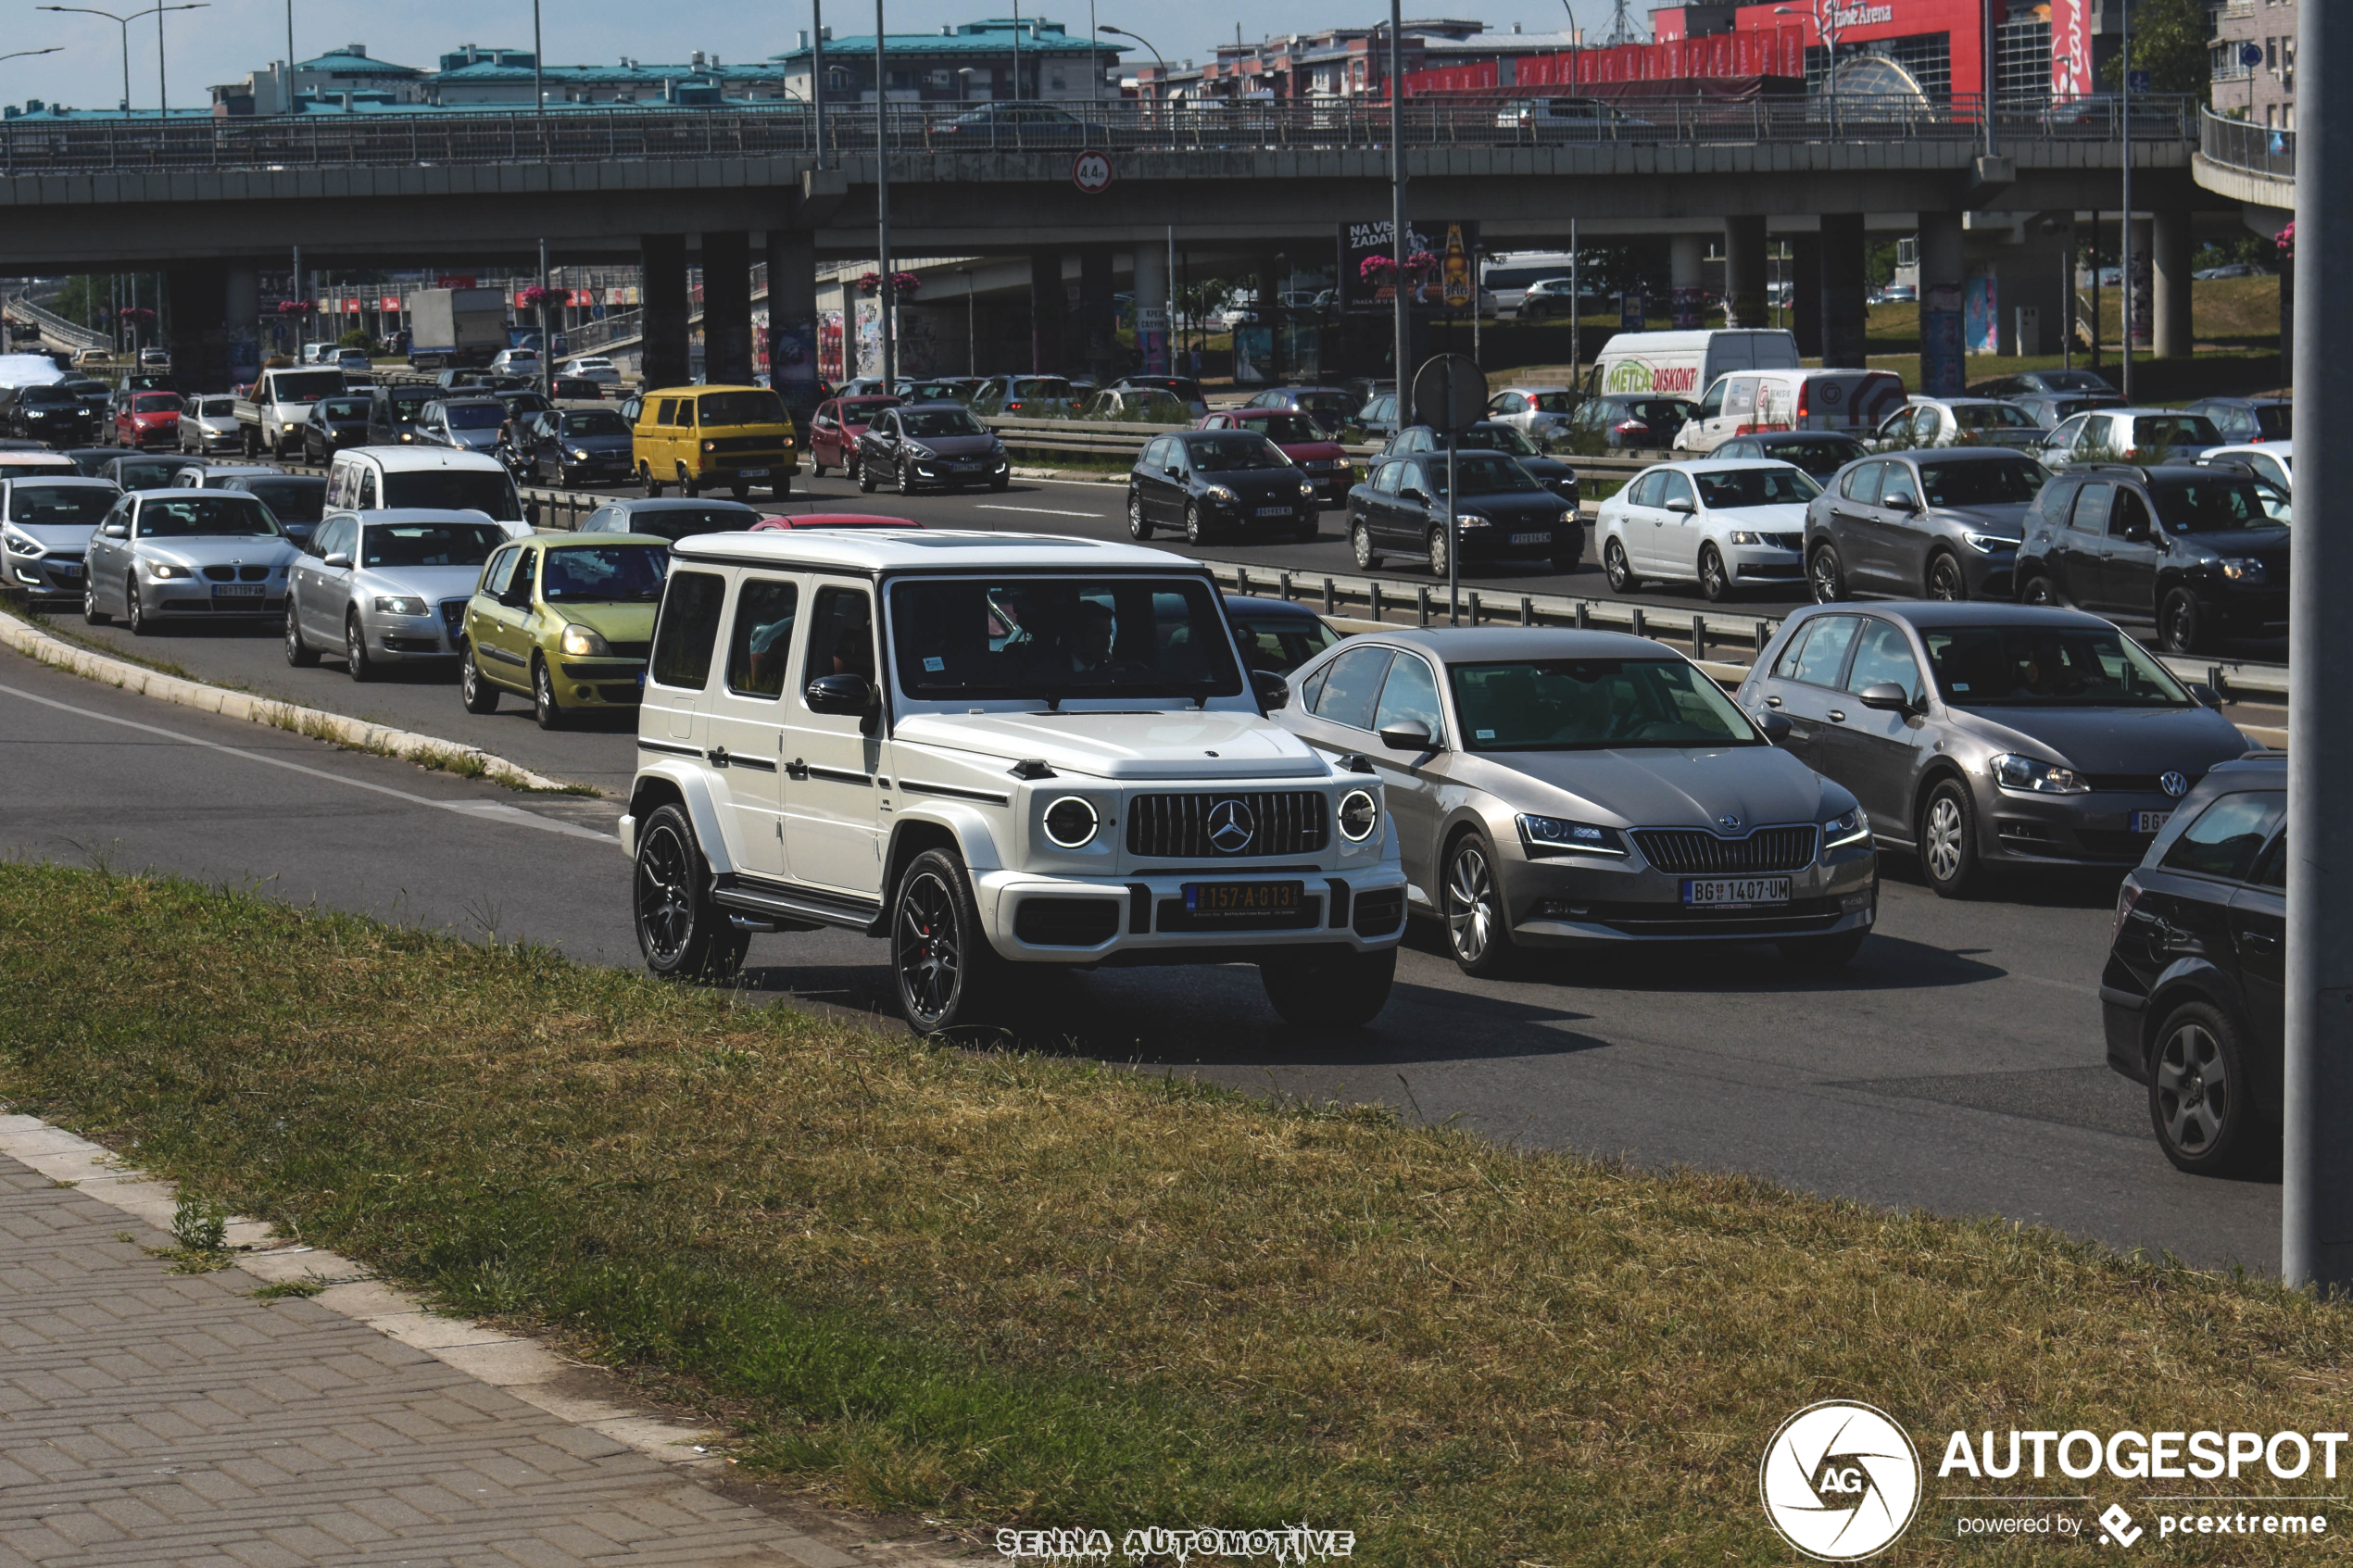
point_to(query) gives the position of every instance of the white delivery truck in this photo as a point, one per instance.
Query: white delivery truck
(456, 327)
(1686, 364)
(1746, 402)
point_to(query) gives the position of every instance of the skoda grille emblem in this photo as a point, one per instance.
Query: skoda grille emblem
(2174, 784)
(1729, 819)
(1231, 827)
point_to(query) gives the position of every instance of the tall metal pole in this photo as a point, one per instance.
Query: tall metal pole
(289, 57)
(163, 90)
(1397, 210)
(1576, 309)
(1016, 51)
(539, 87)
(886, 295)
(817, 75)
(547, 338)
(2132, 294)
(2316, 1210)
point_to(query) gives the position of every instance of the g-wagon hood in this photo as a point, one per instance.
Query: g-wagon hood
(1180, 744)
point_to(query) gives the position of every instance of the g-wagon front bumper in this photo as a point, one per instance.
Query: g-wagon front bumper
(1206, 917)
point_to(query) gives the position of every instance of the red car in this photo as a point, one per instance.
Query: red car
(778, 520)
(833, 431)
(148, 418)
(1303, 442)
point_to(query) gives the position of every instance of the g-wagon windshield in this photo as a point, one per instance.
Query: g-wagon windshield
(1057, 638)
(1595, 705)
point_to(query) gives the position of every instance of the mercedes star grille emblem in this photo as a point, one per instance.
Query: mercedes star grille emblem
(1231, 827)
(2174, 784)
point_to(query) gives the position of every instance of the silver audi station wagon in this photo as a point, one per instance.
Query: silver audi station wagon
(992, 750)
(1587, 789)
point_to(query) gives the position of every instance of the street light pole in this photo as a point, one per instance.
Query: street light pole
(817, 75)
(1402, 324)
(123, 22)
(2124, 230)
(887, 297)
(538, 86)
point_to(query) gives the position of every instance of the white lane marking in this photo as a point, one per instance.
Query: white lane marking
(491, 811)
(1037, 511)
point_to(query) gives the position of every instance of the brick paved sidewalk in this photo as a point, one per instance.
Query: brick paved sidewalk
(151, 1418)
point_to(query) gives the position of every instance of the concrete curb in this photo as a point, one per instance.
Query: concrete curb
(574, 1392)
(356, 734)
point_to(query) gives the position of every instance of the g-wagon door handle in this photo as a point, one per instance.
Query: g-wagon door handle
(795, 769)
(718, 756)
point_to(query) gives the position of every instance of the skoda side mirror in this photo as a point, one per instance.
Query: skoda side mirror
(1274, 692)
(1407, 735)
(1886, 697)
(1684, 503)
(847, 695)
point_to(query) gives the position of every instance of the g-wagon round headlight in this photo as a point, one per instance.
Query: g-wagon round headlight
(1071, 823)
(1359, 815)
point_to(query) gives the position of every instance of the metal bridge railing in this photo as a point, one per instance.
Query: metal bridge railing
(2238, 144)
(31, 144)
(52, 325)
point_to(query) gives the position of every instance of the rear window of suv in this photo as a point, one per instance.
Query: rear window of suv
(2227, 835)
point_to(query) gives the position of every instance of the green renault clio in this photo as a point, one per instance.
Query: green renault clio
(565, 622)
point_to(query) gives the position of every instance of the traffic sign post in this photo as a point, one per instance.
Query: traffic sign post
(1450, 395)
(1090, 172)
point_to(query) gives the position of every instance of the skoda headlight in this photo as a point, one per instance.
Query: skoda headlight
(1855, 827)
(402, 603)
(2243, 569)
(2032, 775)
(1072, 822)
(1558, 836)
(163, 570)
(1744, 536)
(584, 642)
(1988, 544)
(1359, 815)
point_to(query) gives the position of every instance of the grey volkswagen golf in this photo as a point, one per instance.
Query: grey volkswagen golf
(1944, 524)
(1568, 789)
(1985, 735)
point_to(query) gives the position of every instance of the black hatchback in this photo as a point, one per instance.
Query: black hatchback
(2194, 995)
(2193, 549)
(1209, 482)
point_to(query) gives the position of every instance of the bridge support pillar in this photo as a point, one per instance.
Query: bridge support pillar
(2172, 245)
(1098, 313)
(1942, 369)
(1744, 271)
(1047, 306)
(1805, 294)
(662, 357)
(726, 308)
(792, 319)
(1687, 272)
(1151, 307)
(197, 320)
(1844, 315)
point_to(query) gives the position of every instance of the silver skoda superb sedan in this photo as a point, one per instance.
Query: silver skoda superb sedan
(1585, 790)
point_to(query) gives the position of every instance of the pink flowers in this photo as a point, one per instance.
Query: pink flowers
(2287, 240)
(1381, 269)
(536, 295)
(901, 283)
(294, 307)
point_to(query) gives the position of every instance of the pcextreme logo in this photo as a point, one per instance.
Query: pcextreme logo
(1840, 1481)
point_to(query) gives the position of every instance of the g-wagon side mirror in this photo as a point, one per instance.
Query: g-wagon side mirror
(847, 695)
(1274, 692)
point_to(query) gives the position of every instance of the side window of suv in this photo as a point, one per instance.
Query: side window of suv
(1861, 483)
(841, 635)
(762, 640)
(2092, 506)
(688, 629)
(2227, 835)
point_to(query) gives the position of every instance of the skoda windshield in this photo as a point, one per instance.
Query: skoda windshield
(1053, 639)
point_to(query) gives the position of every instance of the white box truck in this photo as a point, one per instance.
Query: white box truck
(456, 327)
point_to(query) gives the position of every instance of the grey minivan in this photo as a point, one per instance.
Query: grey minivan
(1943, 524)
(1983, 736)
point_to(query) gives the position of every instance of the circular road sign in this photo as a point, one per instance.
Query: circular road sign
(1450, 394)
(1090, 172)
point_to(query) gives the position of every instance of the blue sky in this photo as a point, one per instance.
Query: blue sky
(231, 37)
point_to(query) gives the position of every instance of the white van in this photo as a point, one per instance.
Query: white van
(1682, 364)
(1745, 402)
(373, 478)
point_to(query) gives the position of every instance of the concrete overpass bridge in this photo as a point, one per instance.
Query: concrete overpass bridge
(210, 203)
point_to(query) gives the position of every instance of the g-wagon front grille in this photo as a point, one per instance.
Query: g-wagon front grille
(1226, 824)
(1698, 851)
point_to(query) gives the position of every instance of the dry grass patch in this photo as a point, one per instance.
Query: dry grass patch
(1013, 1288)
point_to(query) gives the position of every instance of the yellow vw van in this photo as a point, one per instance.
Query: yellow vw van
(701, 437)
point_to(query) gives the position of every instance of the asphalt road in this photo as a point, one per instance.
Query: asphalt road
(1956, 1066)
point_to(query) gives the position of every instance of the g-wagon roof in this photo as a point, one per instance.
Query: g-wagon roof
(938, 549)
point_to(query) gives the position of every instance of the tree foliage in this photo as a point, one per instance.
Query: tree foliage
(2169, 42)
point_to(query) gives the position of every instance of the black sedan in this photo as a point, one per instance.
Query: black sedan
(1622, 421)
(2204, 1035)
(2193, 549)
(931, 446)
(575, 445)
(50, 415)
(1501, 511)
(1942, 524)
(334, 423)
(1819, 452)
(1210, 482)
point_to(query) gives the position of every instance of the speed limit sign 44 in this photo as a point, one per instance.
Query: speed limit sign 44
(1091, 172)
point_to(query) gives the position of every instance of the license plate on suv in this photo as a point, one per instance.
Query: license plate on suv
(1242, 900)
(1734, 892)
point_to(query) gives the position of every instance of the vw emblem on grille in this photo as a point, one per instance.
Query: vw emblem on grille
(1231, 826)
(1729, 819)
(2174, 784)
